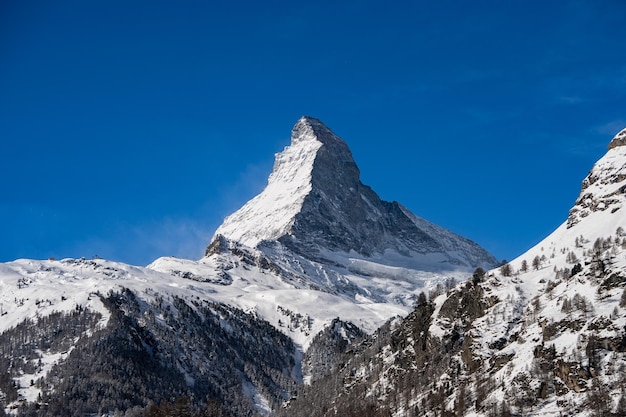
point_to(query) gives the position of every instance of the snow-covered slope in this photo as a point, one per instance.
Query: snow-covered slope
(270, 214)
(542, 336)
(556, 326)
(95, 337)
(598, 213)
(286, 296)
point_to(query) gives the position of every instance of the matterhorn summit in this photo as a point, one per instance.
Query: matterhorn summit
(317, 245)
(271, 214)
(315, 204)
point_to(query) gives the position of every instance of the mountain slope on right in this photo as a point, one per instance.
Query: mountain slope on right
(543, 335)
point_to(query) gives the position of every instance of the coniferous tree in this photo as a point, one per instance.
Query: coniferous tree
(536, 263)
(621, 405)
(622, 301)
(524, 267)
(506, 270)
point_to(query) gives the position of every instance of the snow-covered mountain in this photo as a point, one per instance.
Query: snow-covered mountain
(316, 253)
(299, 301)
(542, 336)
(319, 243)
(314, 203)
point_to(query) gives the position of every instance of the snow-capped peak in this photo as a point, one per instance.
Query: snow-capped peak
(314, 203)
(270, 214)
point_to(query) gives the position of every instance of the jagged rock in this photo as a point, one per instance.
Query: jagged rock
(328, 348)
(573, 375)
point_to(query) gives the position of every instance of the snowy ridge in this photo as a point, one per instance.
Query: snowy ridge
(295, 306)
(150, 309)
(316, 230)
(270, 214)
(605, 185)
(280, 285)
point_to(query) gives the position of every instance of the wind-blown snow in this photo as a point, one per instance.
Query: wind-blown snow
(270, 214)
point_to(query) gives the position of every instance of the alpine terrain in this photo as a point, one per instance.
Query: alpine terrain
(304, 273)
(543, 335)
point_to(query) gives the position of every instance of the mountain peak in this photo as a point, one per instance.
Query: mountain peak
(333, 158)
(314, 203)
(316, 155)
(618, 140)
(310, 128)
(603, 191)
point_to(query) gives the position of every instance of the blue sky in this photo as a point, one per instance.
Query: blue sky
(131, 129)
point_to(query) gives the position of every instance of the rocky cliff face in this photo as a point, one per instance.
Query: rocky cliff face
(618, 140)
(316, 245)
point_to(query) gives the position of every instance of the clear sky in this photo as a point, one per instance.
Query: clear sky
(130, 129)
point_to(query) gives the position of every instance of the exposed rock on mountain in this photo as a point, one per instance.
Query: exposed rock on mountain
(328, 348)
(618, 140)
(316, 227)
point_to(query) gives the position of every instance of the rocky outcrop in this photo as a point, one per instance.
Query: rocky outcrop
(328, 347)
(618, 140)
(604, 186)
